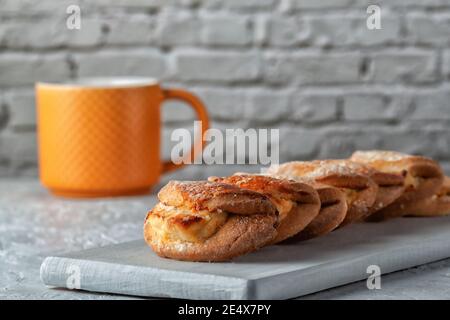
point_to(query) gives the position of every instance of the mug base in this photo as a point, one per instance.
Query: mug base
(99, 193)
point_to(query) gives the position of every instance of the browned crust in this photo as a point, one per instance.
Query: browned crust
(436, 205)
(361, 208)
(425, 168)
(390, 188)
(390, 185)
(182, 221)
(341, 174)
(385, 196)
(385, 179)
(306, 200)
(332, 212)
(288, 189)
(204, 195)
(430, 207)
(239, 235)
(251, 222)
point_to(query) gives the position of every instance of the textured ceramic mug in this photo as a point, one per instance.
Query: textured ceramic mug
(101, 137)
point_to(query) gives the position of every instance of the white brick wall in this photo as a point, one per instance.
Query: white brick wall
(310, 68)
(19, 69)
(219, 30)
(405, 66)
(141, 62)
(221, 67)
(313, 68)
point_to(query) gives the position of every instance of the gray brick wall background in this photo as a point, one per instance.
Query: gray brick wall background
(310, 68)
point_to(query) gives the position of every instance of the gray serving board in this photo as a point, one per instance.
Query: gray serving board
(276, 272)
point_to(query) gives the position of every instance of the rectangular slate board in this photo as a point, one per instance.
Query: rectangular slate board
(276, 272)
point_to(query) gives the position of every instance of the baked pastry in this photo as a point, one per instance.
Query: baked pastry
(207, 221)
(297, 203)
(359, 189)
(436, 205)
(423, 178)
(333, 210)
(390, 185)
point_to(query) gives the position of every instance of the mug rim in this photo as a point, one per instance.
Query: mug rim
(102, 82)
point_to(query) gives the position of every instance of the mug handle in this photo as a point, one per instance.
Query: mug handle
(202, 115)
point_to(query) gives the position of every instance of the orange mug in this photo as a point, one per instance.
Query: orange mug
(101, 137)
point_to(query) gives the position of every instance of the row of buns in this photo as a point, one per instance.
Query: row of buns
(225, 217)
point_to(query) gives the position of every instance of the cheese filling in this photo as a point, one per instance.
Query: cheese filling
(443, 193)
(350, 195)
(283, 206)
(411, 182)
(387, 167)
(171, 223)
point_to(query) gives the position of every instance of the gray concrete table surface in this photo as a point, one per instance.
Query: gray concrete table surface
(35, 224)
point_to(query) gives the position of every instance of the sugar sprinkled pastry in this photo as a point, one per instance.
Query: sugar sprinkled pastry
(359, 189)
(423, 177)
(297, 203)
(208, 221)
(436, 205)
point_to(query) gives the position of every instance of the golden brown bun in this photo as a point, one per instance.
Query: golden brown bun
(390, 185)
(360, 189)
(390, 188)
(423, 178)
(238, 236)
(250, 221)
(203, 195)
(436, 205)
(332, 212)
(297, 203)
